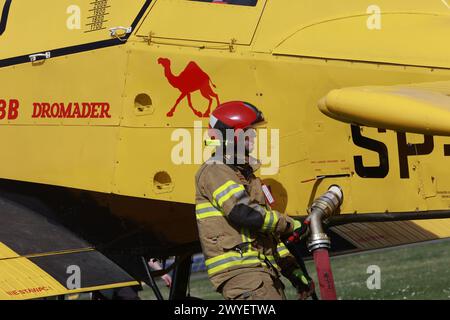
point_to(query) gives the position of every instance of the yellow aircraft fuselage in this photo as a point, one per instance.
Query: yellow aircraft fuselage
(89, 108)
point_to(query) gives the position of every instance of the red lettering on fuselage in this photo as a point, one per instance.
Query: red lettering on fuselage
(76, 110)
(9, 109)
(105, 111)
(45, 110)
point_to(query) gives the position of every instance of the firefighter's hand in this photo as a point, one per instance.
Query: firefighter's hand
(300, 232)
(304, 284)
(167, 280)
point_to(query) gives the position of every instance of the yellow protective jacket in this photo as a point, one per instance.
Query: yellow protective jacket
(238, 231)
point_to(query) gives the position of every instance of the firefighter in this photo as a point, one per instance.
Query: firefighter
(239, 232)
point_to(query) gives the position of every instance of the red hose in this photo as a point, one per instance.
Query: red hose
(324, 274)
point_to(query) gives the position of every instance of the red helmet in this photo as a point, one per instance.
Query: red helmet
(234, 115)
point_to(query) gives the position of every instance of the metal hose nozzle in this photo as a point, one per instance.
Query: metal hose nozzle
(323, 207)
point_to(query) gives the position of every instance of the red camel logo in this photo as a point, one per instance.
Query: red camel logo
(191, 79)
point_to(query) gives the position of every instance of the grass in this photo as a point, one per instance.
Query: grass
(418, 271)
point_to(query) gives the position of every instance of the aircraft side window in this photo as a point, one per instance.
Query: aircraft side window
(250, 3)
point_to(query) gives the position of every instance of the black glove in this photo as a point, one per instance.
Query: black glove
(300, 233)
(303, 283)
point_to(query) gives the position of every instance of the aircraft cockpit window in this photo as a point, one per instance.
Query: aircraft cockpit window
(251, 3)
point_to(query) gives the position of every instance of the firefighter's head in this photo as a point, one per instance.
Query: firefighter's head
(233, 125)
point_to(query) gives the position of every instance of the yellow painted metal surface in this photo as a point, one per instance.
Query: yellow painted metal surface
(6, 252)
(22, 279)
(35, 27)
(404, 37)
(42, 26)
(286, 57)
(62, 156)
(173, 19)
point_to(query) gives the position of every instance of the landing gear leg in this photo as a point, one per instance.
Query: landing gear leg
(151, 281)
(181, 277)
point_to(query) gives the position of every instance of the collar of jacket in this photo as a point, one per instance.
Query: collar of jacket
(246, 166)
(238, 163)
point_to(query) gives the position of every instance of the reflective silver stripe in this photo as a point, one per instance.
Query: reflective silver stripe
(223, 187)
(246, 239)
(226, 194)
(282, 250)
(202, 205)
(273, 262)
(200, 211)
(206, 210)
(231, 259)
(209, 215)
(240, 195)
(270, 221)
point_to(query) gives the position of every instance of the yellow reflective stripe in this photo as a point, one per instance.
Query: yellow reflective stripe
(275, 220)
(297, 224)
(270, 221)
(219, 198)
(231, 259)
(209, 215)
(283, 253)
(222, 188)
(222, 256)
(230, 194)
(266, 220)
(231, 254)
(273, 262)
(282, 250)
(203, 205)
(243, 237)
(206, 210)
(222, 267)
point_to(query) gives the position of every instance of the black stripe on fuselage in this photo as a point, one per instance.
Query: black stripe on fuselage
(78, 48)
(4, 19)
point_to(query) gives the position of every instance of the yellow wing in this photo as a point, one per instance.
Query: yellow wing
(419, 108)
(40, 258)
(52, 274)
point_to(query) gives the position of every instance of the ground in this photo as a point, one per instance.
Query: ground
(419, 271)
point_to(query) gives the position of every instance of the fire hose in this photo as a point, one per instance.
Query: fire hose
(319, 243)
